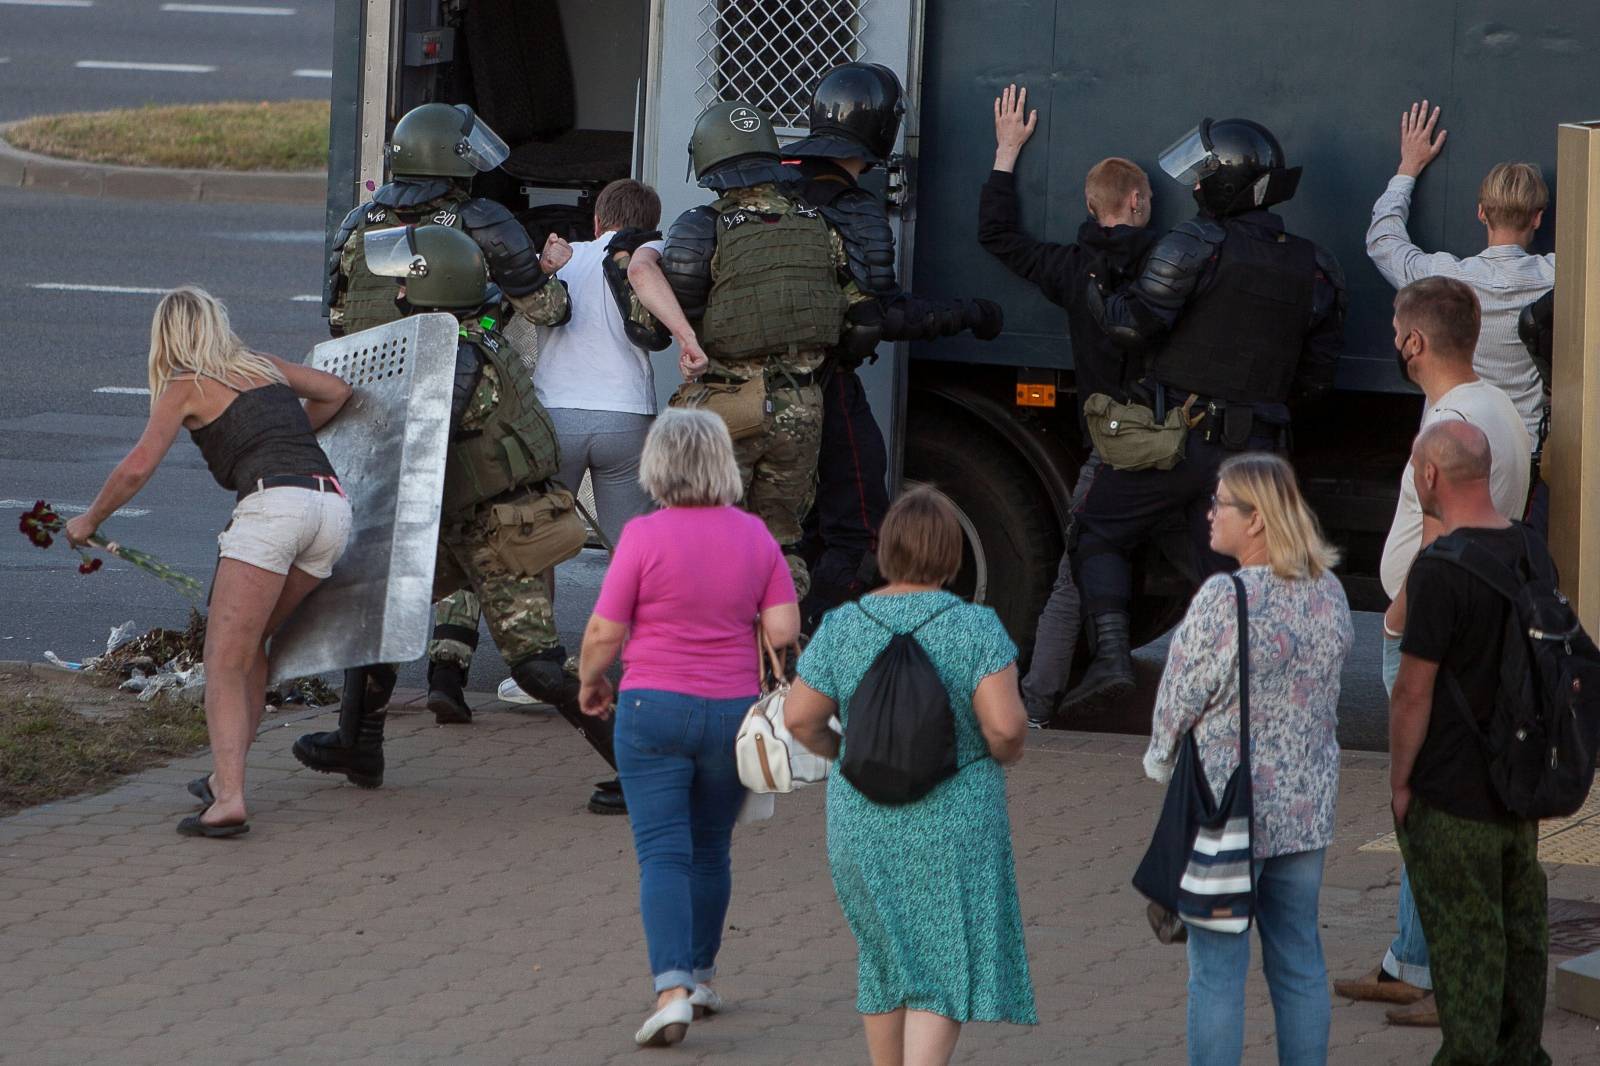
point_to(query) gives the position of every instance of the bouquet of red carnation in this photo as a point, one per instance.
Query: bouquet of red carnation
(41, 525)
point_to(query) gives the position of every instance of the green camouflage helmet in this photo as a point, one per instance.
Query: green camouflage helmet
(443, 141)
(733, 132)
(442, 268)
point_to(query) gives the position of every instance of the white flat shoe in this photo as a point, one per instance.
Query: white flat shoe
(666, 1026)
(705, 1001)
(510, 692)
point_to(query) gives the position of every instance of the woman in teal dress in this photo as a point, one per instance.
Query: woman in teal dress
(928, 888)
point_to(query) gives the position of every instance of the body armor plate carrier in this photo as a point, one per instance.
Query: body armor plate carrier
(776, 290)
(514, 447)
(1240, 340)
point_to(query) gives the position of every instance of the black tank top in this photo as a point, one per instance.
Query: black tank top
(264, 432)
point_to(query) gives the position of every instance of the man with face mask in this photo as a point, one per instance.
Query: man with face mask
(1232, 317)
(1436, 325)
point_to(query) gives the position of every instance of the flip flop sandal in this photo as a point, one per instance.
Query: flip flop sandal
(192, 826)
(200, 789)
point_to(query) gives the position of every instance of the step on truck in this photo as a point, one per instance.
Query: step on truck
(587, 91)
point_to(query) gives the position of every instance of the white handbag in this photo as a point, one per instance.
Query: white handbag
(770, 759)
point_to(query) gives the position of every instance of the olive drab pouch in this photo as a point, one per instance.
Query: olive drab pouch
(515, 447)
(741, 405)
(534, 533)
(1128, 437)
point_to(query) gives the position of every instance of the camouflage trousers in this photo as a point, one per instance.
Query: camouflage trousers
(778, 467)
(516, 605)
(455, 630)
(1481, 894)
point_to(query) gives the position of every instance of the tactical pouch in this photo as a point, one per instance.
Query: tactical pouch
(742, 406)
(1238, 423)
(534, 533)
(1128, 437)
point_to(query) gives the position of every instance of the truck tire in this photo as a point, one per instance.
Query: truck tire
(1013, 544)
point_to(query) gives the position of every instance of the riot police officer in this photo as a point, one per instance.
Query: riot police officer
(1234, 316)
(435, 151)
(767, 282)
(854, 119)
(504, 521)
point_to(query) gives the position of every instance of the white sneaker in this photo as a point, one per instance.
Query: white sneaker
(510, 692)
(705, 1001)
(666, 1026)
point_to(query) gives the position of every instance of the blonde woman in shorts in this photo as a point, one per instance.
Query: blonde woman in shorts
(253, 418)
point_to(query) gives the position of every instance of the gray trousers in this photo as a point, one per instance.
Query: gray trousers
(607, 444)
(1059, 623)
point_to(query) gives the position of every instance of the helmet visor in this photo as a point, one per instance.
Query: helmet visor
(1187, 159)
(480, 145)
(392, 253)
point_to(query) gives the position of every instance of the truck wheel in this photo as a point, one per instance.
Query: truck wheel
(1013, 545)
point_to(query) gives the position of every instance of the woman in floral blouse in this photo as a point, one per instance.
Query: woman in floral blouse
(1300, 634)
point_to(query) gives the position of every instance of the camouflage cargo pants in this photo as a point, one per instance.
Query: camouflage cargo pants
(1481, 893)
(778, 467)
(516, 606)
(455, 630)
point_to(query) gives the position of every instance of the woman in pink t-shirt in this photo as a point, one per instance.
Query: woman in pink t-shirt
(686, 588)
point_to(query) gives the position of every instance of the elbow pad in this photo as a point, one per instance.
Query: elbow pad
(507, 249)
(863, 329)
(1329, 297)
(686, 259)
(911, 318)
(464, 383)
(641, 327)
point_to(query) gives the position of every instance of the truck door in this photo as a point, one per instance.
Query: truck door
(771, 54)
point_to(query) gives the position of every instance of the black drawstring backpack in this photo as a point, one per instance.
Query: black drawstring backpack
(899, 734)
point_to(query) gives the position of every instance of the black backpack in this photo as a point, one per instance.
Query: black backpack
(1543, 734)
(899, 734)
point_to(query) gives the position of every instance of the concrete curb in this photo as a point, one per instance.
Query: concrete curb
(27, 170)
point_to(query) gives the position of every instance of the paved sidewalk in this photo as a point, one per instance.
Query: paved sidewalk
(470, 911)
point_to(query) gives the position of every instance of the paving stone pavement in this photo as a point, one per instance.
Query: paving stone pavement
(471, 911)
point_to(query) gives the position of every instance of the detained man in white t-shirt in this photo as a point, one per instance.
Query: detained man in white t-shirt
(1436, 323)
(593, 374)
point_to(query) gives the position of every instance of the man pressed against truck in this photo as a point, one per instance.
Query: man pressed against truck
(768, 282)
(1232, 316)
(854, 119)
(1111, 244)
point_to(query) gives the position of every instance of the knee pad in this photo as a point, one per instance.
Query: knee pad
(543, 677)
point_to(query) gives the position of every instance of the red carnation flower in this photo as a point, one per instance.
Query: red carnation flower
(89, 566)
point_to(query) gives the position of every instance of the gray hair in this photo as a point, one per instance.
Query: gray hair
(688, 461)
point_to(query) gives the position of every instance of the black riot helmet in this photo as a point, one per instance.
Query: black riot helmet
(1237, 163)
(855, 112)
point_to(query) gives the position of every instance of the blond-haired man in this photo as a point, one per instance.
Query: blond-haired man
(1505, 276)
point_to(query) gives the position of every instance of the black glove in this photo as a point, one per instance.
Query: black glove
(628, 240)
(985, 319)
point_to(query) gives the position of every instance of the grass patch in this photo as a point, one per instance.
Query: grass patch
(290, 135)
(49, 750)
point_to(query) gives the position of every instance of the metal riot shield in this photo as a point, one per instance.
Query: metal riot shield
(388, 448)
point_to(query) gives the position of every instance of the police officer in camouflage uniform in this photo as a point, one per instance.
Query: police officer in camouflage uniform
(767, 282)
(498, 497)
(434, 152)
(854, 120)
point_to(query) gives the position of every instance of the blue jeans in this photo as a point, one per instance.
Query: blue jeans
(675, 760)
(1407, 957)
(1291, 954)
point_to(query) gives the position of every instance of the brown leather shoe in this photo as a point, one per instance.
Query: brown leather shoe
(1424, 1013)
(1378, 987)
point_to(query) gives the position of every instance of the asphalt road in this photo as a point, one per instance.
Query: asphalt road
(262, 50)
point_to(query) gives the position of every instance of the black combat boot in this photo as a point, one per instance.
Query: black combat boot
(1111, 673)
(355, 749)
(446, 698)
(543, 678)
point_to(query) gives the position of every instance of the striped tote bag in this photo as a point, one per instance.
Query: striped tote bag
(1199, 864)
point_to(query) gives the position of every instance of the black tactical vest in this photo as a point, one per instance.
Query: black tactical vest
(1240, 340)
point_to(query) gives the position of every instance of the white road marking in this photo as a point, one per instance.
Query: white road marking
(72, 508)
(161, 68)
(226, 9)
(307, 298)
(124, 390)
(120, 290)
(308, 72)
(48, 3)
(274, 236)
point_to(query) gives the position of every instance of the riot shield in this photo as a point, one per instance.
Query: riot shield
(388, 448)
